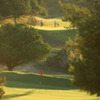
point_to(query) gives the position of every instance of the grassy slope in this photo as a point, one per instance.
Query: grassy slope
(48, 23)
(57, 38)
(20, 86)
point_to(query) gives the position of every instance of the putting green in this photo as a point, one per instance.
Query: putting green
(20, 86)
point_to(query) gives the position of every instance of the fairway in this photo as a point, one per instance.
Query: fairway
(42, 94)
(57, 38)
(20, 86)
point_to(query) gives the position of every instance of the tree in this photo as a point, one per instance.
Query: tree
(20, 44)
(17, 8)
(38, 7)
(86, 66)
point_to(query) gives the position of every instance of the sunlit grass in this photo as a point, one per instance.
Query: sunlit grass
(42, 94)
(48, 23)
(57, 38)
(17, 88)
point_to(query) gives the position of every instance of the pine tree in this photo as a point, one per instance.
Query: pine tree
(85, 67)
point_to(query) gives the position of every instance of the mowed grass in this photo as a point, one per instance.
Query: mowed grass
(48, 24)
(20, 86)
(57, 38)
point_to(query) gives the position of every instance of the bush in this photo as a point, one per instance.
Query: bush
(1, 89)
(20, 44)
(86, 48)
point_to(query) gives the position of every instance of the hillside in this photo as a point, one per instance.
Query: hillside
(57, 38)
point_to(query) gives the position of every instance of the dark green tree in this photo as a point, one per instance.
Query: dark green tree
(86, 64)
(17, 8)
(20, 44)
(38, 7)
(14, 8)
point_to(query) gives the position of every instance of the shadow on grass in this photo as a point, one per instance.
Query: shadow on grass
(18, 80)
(6, 97)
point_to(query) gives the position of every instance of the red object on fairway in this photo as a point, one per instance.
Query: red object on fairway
(41, 73)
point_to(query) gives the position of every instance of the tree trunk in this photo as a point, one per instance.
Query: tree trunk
(15, 20)
(98, 94)
(10, 68)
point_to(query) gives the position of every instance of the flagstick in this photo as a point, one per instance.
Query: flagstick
(40, 83)
(41, 79)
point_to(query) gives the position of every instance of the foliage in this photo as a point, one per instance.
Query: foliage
(59, 60)
(19, 44)
(37, 7)
(85, 67)
(17, 8)
(1, 89)
(53, 81)
(57, 38)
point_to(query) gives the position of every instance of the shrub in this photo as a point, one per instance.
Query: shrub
(1, 88)
(20, 44)
(59, 60)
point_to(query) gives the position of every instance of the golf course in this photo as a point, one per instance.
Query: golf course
(23, 86)
(49, 50)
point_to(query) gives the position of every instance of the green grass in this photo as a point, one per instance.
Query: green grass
(48, 82)
(57, 38)
(20, 86)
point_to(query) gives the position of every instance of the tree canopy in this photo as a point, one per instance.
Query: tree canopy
(86, 64)
(20, 44)
(1, 89)
(17, 8)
